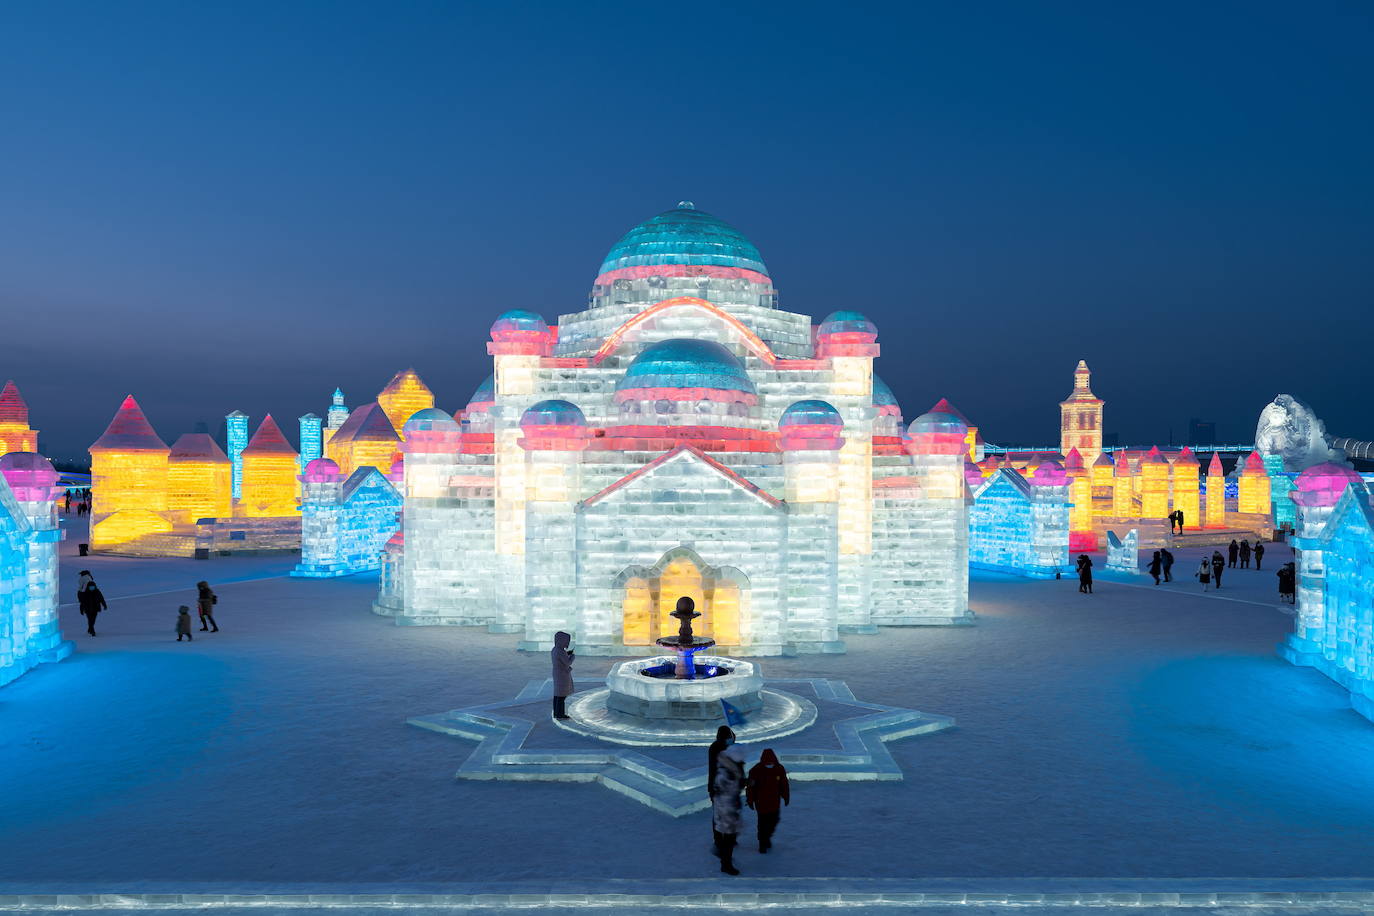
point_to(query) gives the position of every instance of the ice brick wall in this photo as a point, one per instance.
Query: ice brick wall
(1000, 524)
(344, 527)
(29, 535)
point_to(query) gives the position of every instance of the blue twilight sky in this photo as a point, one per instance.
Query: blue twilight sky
(241, 205)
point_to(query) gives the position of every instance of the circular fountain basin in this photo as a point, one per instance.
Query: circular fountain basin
(639, 706)
(637, 690)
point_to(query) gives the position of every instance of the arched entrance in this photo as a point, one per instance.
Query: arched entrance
(651, 596)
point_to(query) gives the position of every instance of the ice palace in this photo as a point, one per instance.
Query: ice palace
(682, 436)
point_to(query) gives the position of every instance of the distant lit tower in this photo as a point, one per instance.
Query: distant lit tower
(312, 440)
(15, 435)
(236, 426)
(1080, 418)
(337, 413)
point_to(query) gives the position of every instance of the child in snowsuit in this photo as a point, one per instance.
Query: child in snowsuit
(184, 623)
(766, 792)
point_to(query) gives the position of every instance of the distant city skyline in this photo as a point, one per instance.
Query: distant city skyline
(242, 207)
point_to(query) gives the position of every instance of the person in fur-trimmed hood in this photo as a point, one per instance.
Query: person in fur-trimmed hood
(725, 805)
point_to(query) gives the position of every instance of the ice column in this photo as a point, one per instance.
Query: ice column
(519, 341)
(312, 439)
(936, 444)
(850, 342)
(1123, 492)
(1253, 487)
(553, 435)
(812, 443)
(32, 481)
(1049, 519)
(1154, 485)
(236, 434)
(1082, 537)
(1216, 494)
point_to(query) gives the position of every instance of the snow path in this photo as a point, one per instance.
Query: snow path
(1122, 734)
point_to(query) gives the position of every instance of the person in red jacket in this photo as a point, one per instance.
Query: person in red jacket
(766, 792)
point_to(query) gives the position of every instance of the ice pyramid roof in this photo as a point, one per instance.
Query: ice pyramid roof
(944, 406)
(268, 440)
(368, 423)
(1214, 466)
(129, 431)
(198, 447)
(12, 406)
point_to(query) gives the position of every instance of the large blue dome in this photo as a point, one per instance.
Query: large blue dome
(686, 363)
(684, 235)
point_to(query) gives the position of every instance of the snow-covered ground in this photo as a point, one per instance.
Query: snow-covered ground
(1141, 731)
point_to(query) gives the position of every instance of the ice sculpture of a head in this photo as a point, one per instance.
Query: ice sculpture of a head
(1288, 428)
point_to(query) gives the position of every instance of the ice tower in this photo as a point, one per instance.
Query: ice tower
(15, 434)
(29, 536)
(680, 436)
(1080, 417)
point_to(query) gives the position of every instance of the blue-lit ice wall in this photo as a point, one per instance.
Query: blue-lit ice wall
(1335, 595)
(1018, 528)
(345, 525)
(312, 439)
(29, 633)
(1280, 488)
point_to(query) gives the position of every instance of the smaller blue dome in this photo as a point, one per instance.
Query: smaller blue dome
(687, 363)
(485, 393)
(519, 320)
(553, 413)
(847, 322)
(937, 422)
(429, 419)
(811, 413)
(882, 395)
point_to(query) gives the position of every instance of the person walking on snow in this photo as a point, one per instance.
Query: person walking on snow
(1204, 573)
(90, 599)
(1168, 560)
(1085, 573)
(562, 658)
(1245, 554)
(205, 603)
(1156, 564)
(724, 738)
(184, 623)
(766, 792)
(1259, 554)
(1231, 554)
(1218, 564)
(725, 805)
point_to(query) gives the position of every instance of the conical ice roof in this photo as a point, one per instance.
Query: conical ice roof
(129, 431)
(268, 440)
(198, 447)
(12, 406)
(368, 423)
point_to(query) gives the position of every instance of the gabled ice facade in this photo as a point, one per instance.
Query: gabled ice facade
(1335, 581)
(681, 436)
(345, 524)
(1019, 526)
(29, 535)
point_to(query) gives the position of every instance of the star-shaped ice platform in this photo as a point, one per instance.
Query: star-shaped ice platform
(518, 740)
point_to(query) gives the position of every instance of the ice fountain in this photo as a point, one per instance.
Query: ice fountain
(676, 699)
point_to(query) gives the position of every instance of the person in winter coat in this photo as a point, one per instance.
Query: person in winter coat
(1245, 554)
(562, 658)
(184, 623)
(725, 737)
(1204, 573)
(1156, 564)
(1218, 564)
(1167, 559)
(1085, 573)
(1178, 516)
(90, 599)
(205, 603)
(1288, 580)
(766, 792)
(725, 805)
(1231, 554)
(1259, 554)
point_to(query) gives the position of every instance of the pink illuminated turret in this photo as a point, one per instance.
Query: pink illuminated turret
(846, 333)
(811, 425)
(519, 332)
(554, 426)
(1323, 485)
(1049, 474)
(322, 470)
(1186, 456)
(12, 406)
(1073, 462)
(129, 431)
(30, 476)
(1214, 468)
